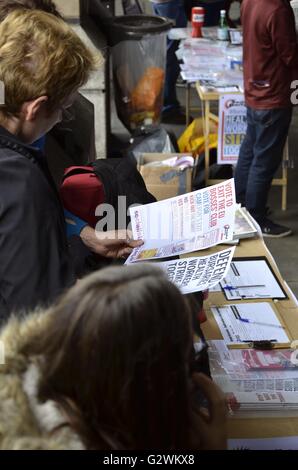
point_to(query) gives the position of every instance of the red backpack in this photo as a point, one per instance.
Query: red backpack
(84, 188)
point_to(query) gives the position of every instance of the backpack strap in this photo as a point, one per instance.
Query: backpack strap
(106, 173)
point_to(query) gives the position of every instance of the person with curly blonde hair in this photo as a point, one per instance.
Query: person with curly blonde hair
(43, 63)
(113, 244)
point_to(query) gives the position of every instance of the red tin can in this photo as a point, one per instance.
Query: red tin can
(197, 21)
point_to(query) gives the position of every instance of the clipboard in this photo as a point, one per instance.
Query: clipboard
(227, 290)
(227, 331)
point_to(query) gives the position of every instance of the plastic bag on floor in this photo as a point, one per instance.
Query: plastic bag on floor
(154, 141)
(193, 140)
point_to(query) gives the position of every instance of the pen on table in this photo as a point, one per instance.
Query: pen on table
(258, 340)
(262, 345)
(252, 322)
(256, 296)
(228, 287)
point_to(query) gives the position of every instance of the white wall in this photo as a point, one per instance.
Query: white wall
(69, 8)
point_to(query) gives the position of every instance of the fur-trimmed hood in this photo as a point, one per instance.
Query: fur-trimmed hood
(25, 424)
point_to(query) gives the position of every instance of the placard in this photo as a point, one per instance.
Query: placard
(232, 127)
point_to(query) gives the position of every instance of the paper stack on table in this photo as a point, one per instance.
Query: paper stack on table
(245, 225)
(261, 381)
(204, 59)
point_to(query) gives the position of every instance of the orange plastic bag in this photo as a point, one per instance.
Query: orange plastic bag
(147, 93)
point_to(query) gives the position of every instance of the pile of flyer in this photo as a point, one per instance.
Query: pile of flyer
(256, 381)
(204, 59)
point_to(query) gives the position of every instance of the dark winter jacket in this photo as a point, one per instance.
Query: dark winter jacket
(34, 260)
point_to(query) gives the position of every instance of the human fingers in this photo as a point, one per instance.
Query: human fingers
(216, 398)
(125, 252)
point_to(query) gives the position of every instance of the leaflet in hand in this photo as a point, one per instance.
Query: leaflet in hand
(185, 223)
(198, 274)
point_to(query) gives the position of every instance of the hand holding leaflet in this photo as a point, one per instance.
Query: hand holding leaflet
(185, 223)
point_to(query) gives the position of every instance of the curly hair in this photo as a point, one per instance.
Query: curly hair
(41, 55)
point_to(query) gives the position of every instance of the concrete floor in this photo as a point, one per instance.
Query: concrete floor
(285, 250)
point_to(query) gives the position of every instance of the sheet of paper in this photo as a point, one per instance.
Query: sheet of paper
(245, 225)
(176, 34)
(276, 443)
(185, 223)
(198, 274)
(221, 89)
(195, 75)
(251, 279)
(216, 288)
(265, 401)
(264, 323)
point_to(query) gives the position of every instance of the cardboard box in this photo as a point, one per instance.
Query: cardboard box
(164, 181)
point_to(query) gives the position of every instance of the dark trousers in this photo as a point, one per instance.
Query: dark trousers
(174, 10)
(260, 155)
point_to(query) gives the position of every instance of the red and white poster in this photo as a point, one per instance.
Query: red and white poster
(182, 224)
(232, 127)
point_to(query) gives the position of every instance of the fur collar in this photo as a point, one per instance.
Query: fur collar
(24, 422)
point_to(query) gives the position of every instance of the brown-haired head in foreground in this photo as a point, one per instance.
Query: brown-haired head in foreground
(7, 6)
(40, 55)
(117, 360)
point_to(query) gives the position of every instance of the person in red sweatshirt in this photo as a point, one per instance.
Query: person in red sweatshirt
(270, 65)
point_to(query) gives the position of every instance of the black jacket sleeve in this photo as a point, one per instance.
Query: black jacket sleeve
(34, 261)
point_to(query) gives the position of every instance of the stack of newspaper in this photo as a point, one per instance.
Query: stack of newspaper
(215, 61)
(245, 225)
(256, 381)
